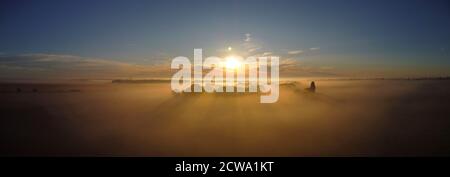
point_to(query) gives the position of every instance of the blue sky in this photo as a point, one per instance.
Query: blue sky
(398, 38)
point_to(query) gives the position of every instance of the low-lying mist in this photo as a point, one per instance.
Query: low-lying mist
(343, 118)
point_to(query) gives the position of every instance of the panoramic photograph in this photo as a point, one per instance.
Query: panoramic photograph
(224, 78)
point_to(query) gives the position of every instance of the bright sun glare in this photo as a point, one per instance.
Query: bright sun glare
(232, 63)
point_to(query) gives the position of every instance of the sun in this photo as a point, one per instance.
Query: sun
(232, 62)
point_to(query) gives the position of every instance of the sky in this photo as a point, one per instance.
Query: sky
(138, 38)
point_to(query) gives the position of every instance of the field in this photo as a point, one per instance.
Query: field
(343, 118)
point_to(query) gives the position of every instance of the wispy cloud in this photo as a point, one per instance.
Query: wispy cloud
(250, 45)
(295, 52)
(314, 48)
(51, 66)
(248, 37)
(267, 54)
(290, 67)
(250, 50)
